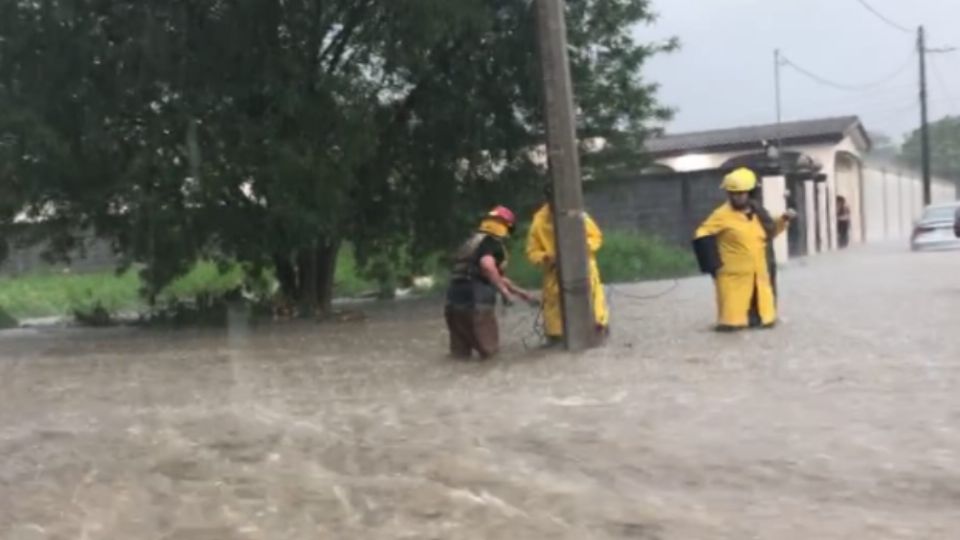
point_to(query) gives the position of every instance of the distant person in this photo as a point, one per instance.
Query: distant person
(476, 280)
(737, 234)
(542, 252)
(843, 222)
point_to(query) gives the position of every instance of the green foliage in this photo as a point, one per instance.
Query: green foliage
(204, 279)
(625, 257)
(629, 257)
(7, 321)
(350, 280)
(944, 148)
(50, 295)
(267, 133)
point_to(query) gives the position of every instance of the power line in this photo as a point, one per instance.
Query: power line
(849, 87)
(943, 83)
(884, 18)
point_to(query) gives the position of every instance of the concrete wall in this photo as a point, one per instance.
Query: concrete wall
(95, 256)
(884, 201)
(833, 157)
(669, 206)
(846, 181)
(774, 200)
(894, 201)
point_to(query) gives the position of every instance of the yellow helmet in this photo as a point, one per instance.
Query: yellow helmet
(740, 180)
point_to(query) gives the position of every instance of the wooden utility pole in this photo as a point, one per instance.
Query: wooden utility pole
(924, 121)
(564, 161)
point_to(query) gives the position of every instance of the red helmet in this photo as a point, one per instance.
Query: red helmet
(503, 213)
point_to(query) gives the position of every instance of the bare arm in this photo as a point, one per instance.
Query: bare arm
(488, 267)
(785, 220)
(519, 291)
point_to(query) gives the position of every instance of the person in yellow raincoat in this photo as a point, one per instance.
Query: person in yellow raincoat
(542, 252)
(743, 280)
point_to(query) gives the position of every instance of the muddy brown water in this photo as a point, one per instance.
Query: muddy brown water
(842, 423)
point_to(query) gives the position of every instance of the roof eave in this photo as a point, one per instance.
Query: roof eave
(831, 138)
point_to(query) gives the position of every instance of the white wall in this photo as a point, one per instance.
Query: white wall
(894, 201)
(884, 204)
(810, 193)
(774, 200)
(826, 155)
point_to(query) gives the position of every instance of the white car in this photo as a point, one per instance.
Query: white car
(935, 229)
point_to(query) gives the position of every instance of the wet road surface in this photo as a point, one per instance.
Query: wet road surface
(842, 423)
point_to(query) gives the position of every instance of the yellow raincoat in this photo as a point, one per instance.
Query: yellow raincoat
(742, 243)
(542, 252)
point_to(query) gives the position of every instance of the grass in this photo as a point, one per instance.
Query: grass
(347, 280)
(204, 278)
(47, 295)
(625, 257)
(52, 294)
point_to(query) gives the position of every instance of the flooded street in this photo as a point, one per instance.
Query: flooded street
(842, 423)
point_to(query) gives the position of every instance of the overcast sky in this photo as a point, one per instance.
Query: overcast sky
(723, 75)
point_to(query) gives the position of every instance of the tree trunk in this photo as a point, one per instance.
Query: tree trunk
(307, 278)
(286, 275)
(307, 270)
(326, 273)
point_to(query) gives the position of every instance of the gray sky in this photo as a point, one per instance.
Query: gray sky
(723, 75)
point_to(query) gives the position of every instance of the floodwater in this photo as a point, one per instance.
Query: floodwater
(842, 423)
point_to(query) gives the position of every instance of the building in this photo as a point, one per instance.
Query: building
(820, 160)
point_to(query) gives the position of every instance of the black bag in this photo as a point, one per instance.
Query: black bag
(708, 254)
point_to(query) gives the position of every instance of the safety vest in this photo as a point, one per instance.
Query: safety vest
(466, 267)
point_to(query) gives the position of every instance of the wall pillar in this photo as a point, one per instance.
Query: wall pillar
(775, 201)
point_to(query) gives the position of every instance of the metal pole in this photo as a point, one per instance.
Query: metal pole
(564, 162)
(776, 77)
(924, 122)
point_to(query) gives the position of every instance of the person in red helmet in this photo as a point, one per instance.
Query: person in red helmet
(476, 279)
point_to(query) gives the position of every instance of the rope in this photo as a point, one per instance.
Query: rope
(538, 336)
(673, 286)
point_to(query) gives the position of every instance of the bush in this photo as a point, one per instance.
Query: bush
(347, 280)
(7, 321)
(625, 257)
(635, 257)
(207, 278)
(96, 317)
(48, 295)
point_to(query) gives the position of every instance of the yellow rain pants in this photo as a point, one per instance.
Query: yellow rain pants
(743, 278)
(542, 252)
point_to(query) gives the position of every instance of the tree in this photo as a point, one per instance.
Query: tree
(883, 146)
(944, 148)
(270, 132)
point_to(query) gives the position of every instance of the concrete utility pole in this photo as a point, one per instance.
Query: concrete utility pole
(924, 122)
(564, 162)
(923, 51)
(777, 64)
